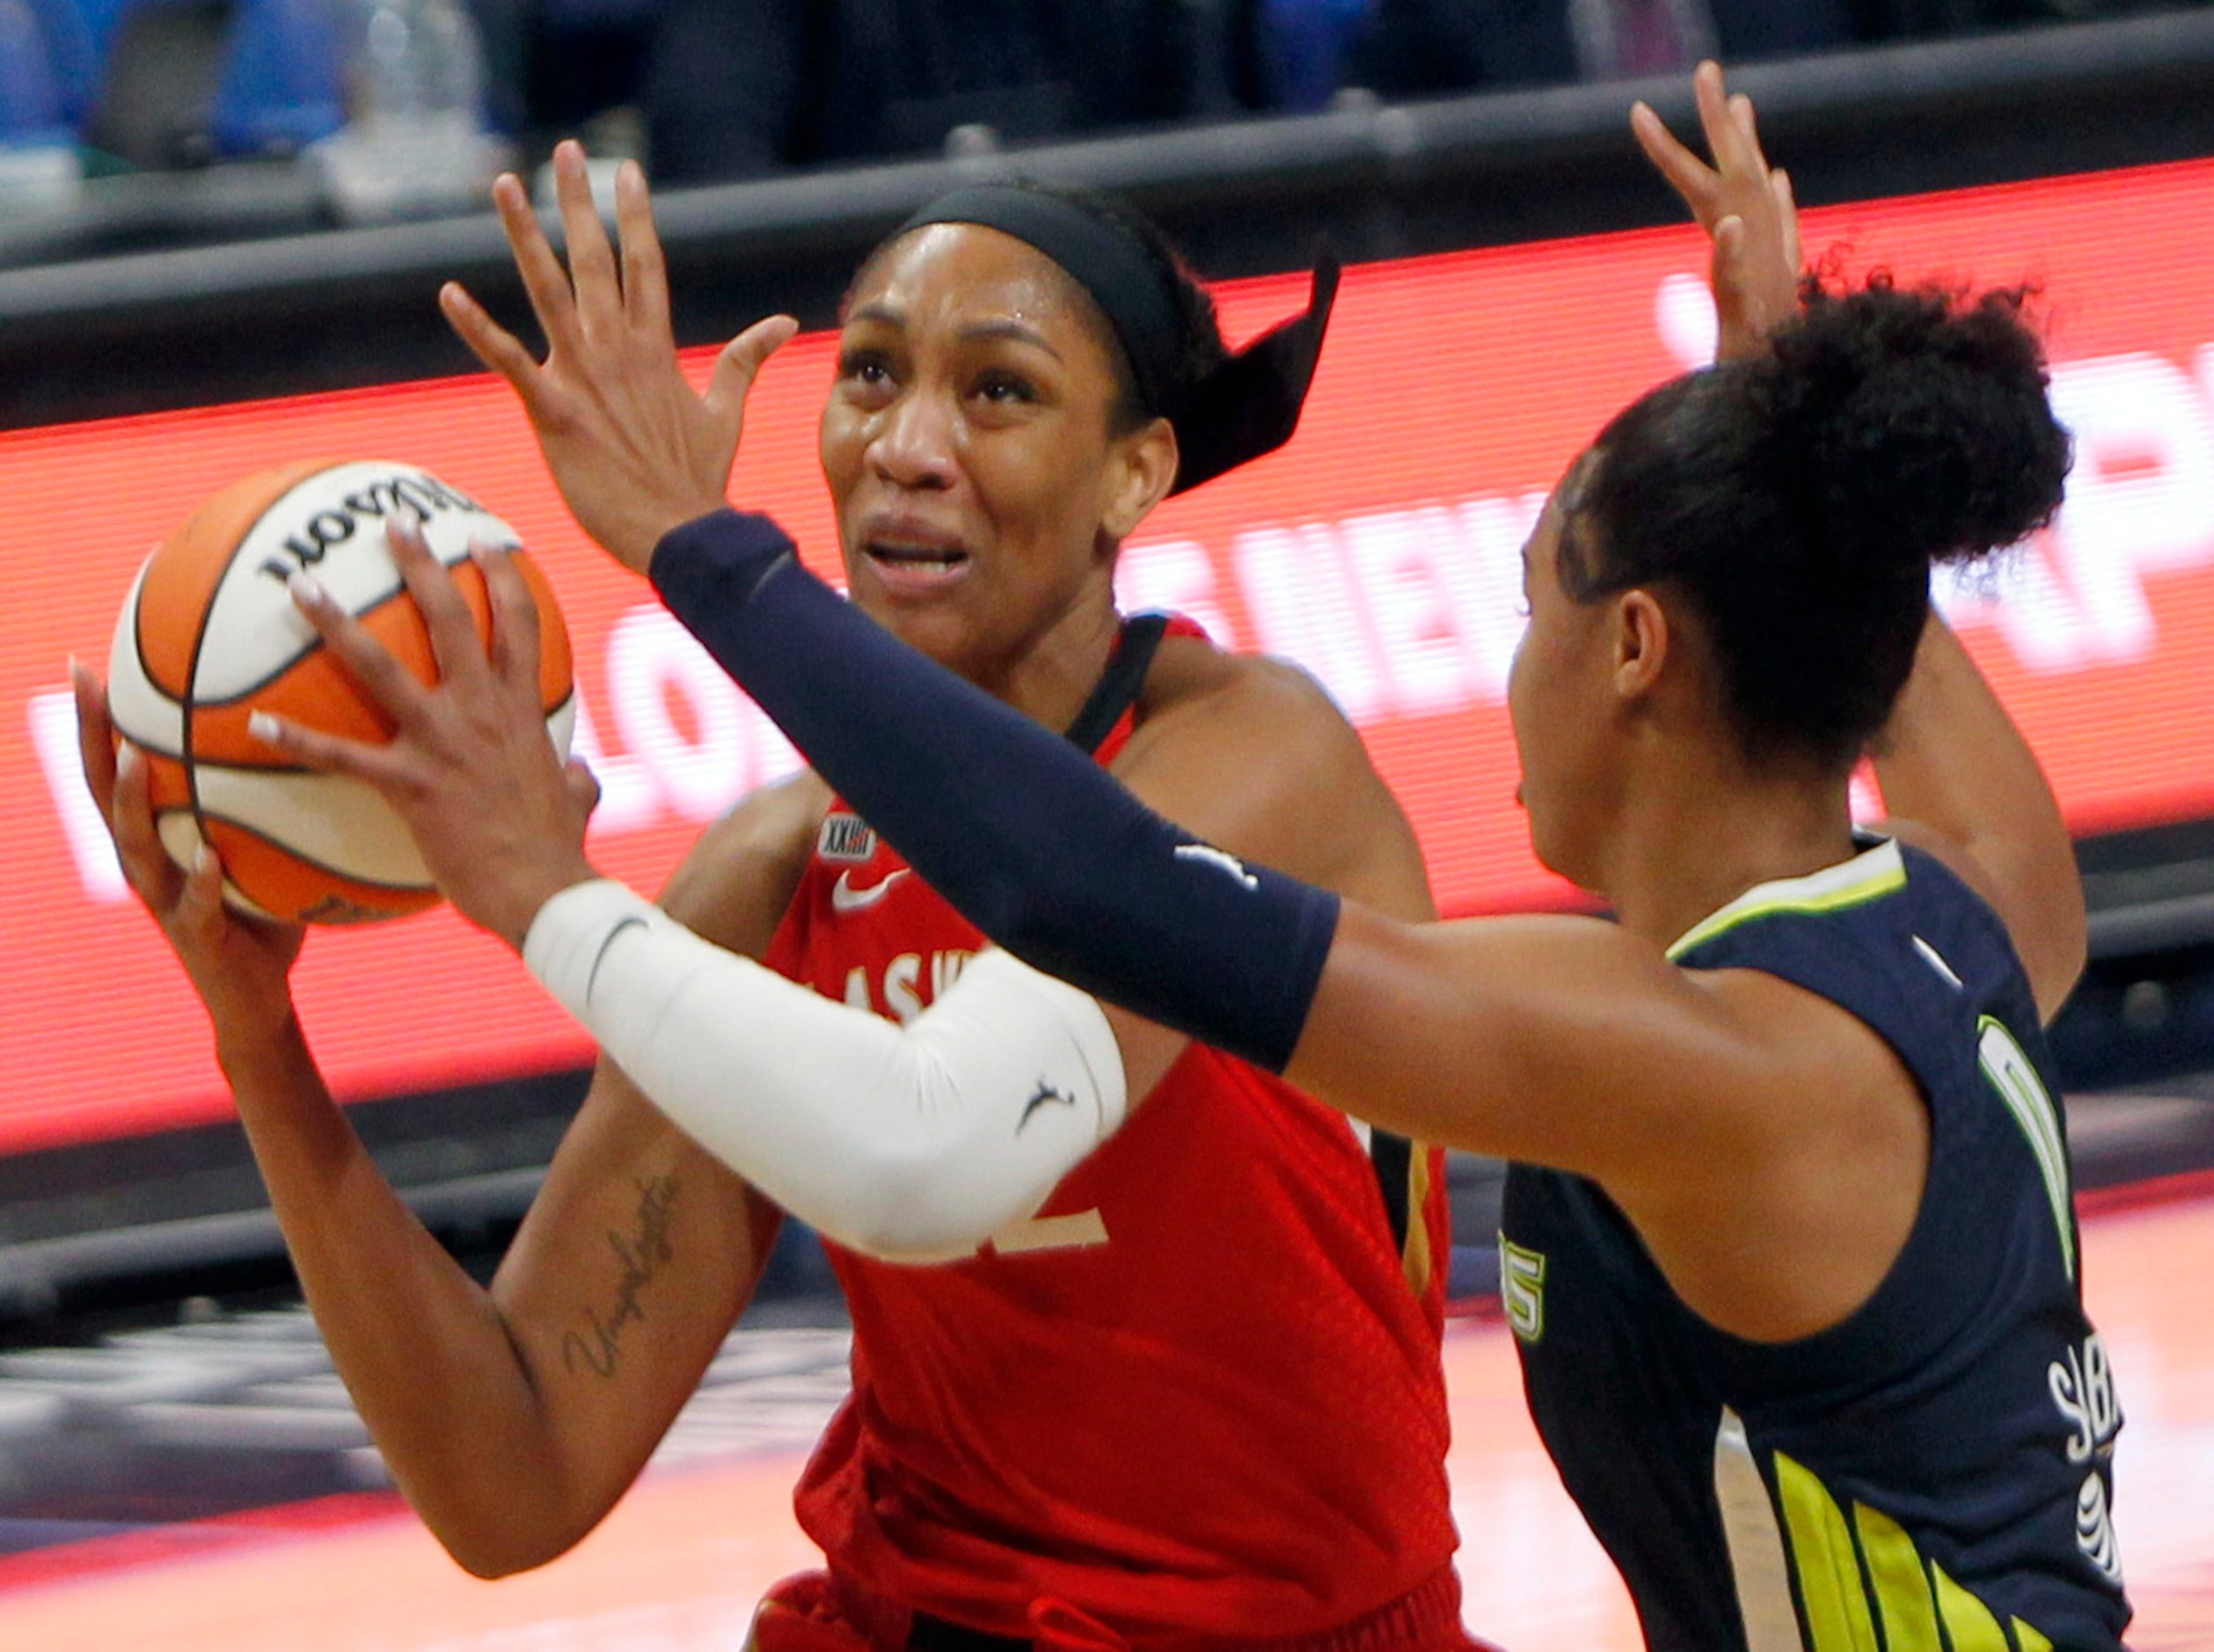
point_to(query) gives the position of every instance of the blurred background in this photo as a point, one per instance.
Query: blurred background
(223, 224)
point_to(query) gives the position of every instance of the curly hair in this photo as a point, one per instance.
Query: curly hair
(1797, 501)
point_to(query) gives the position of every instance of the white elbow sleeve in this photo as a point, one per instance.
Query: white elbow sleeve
(913, 1144)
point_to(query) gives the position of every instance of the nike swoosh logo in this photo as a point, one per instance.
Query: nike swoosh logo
(845, 898)
(600, 957)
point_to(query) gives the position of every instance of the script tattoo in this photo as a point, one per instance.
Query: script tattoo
(640, 1256)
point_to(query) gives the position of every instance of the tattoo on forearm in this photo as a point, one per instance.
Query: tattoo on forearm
(640, 1256)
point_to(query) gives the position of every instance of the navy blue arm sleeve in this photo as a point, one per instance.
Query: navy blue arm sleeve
(1039, 846)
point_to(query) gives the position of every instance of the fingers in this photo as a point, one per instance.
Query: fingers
(582, 785)
(1730, 247)
(598, 288)
(454, 643)
(544, 279)
(1725, 139)
(1788, 211)
(740, 363)
(381, 766)
(198, 914)
(138, 846)
(514, 619)
(1741, 109)
(499, 349)
(387, 683)
(1688, 175)
(95, 735)
(644, 268)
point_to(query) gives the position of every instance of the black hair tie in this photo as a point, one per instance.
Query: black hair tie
(1250, 404)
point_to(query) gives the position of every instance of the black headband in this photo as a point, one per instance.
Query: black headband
(1247, 406)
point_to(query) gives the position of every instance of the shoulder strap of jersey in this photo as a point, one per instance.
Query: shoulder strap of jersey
(1119, 685)
(1391, 1156)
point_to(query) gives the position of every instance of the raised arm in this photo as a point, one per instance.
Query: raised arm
(1743, 204)
(1960, 780)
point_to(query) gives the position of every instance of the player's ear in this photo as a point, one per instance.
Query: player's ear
(1641, 642)
(1140, 471)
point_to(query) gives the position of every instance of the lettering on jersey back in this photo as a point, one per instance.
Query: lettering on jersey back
(2082, 1387)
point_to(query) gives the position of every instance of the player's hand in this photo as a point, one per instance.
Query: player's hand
(635, 450)
(496, 815)
(239, 965)
(1742, 203)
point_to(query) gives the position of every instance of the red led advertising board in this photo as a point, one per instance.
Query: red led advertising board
(1379, 549)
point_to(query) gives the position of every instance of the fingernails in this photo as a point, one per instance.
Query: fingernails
(203, 859)
(486, 550)
(265, 727)
(127, 761)
(307, 590)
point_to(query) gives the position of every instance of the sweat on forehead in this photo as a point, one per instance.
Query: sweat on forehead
(1036, 290)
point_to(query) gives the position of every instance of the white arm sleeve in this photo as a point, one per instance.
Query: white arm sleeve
(913, 1144)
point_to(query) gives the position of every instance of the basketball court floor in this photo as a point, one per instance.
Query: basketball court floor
(679, 1565)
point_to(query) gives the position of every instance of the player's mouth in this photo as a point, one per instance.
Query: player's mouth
(915, 566)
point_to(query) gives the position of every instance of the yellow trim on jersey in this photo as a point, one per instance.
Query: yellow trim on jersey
(1850, 1577)
(1870, 875)
(1830, 1591)
(1969, 1623)
(1416, 1258)
(1894, 1573)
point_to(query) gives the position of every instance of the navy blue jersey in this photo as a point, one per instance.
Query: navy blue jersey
(1934, 1470)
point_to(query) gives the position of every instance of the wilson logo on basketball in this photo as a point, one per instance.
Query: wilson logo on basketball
(206, 640)
(327, 527)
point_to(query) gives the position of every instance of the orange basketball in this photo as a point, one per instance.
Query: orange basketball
(209, 635)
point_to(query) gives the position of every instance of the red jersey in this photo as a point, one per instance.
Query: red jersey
(1197, 1394)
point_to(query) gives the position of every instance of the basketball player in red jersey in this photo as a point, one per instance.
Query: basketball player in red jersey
(1191, 1399)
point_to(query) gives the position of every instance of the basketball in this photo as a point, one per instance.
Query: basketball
(209, 635)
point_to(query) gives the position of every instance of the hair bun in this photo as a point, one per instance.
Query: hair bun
(1912, 423)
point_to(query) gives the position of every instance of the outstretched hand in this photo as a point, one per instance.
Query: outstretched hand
(635, 450)
(1742, 203)
(496, 816)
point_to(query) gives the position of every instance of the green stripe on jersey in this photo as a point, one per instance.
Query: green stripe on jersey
(1868, 876)
(2008, 1067)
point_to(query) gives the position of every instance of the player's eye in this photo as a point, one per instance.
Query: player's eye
(1002, 388)
(864, 365)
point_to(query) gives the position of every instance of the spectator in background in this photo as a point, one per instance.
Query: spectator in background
(737, 88)
(1415, 48)
(732, 88)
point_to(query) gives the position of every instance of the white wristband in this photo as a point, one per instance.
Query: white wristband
(914, 1143)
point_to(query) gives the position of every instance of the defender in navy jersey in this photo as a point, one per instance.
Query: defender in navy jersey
(1943, 1454)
